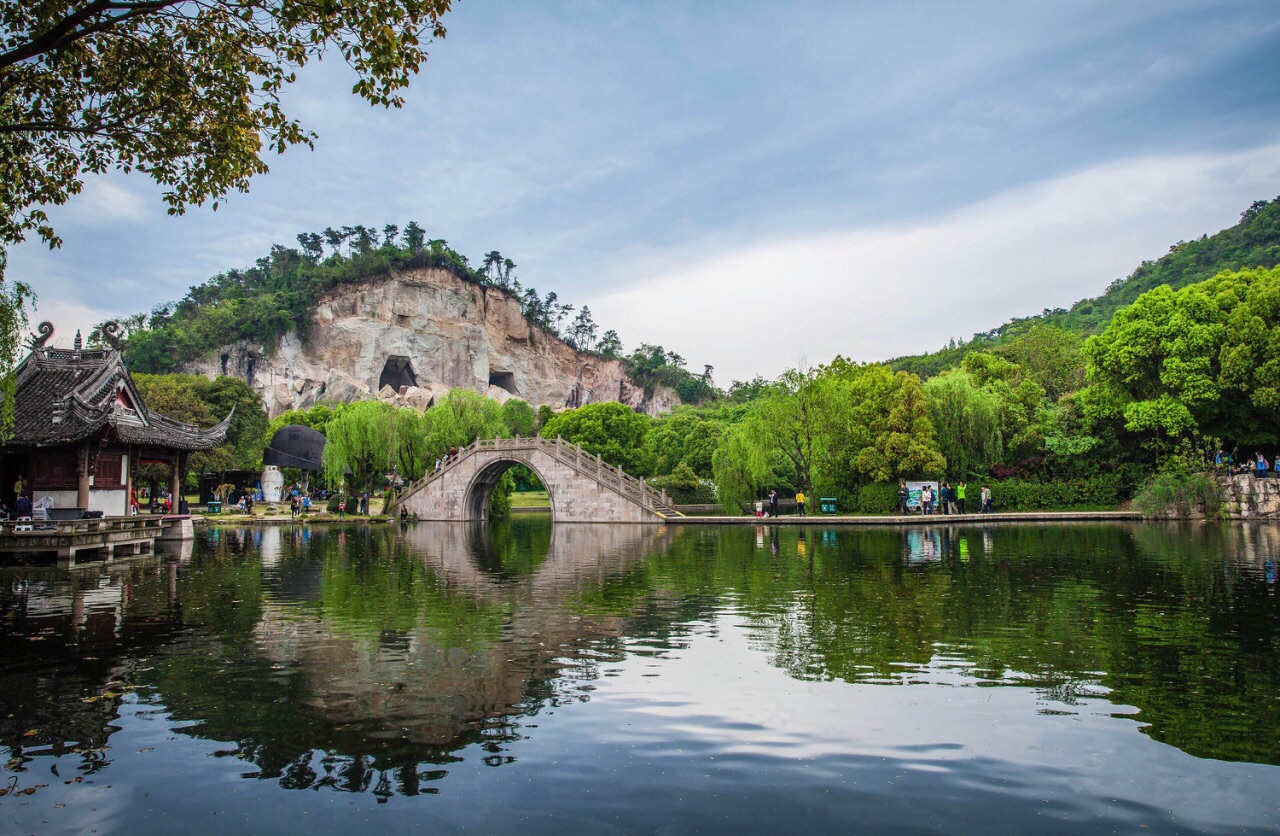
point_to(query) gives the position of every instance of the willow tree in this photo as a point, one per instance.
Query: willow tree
(966, 422)
(740, 466)
(361, 439)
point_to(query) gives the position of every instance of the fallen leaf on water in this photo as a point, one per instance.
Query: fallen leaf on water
(148, 749)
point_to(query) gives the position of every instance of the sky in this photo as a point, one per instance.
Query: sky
(756, 186)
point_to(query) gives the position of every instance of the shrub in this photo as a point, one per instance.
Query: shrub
(684, 487)
(1179, 495)
(878, 498)
(1103, 491)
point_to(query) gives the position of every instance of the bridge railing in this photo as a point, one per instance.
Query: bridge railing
(593, 467)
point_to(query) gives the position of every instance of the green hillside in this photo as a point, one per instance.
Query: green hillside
(1253, 242)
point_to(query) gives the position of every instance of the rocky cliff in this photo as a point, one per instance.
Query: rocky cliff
(410, 337)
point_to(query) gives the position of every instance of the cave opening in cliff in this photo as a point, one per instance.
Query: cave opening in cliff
(504, 380)
(397, 372)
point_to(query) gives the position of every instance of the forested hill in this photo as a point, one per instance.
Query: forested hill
(280, 292)
(1253, 242)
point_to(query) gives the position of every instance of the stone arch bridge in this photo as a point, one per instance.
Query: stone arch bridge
(581, 487)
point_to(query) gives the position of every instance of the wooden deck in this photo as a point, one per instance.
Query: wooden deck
(106, 537)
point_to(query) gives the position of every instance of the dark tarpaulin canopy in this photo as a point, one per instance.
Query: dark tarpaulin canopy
(295, 446)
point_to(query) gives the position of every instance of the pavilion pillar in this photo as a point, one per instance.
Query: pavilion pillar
(175, 482)
(83, 475)
(130, 464)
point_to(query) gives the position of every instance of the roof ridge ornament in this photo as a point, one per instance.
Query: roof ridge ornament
(45, 330)
(111, 334)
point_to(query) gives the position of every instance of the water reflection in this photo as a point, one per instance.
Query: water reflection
(372, 659)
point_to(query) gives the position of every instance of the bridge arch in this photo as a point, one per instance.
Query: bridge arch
(475, 501)
(581, 487)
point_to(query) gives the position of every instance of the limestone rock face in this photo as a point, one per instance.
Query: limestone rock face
(411, 337)
(1248, 497)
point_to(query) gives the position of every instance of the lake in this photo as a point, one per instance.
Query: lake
(609, 679)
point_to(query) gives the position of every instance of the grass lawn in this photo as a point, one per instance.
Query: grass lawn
(530, 499)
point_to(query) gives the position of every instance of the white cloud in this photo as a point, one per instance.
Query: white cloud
(878, 292)
(107, 201)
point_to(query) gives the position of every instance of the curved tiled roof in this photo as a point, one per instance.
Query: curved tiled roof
(66, 395)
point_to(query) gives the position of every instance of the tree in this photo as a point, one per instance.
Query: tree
(13, 322)
(611, 430)
(188, 93)
(519, 418)
(360, 438)
(459, 419)
(312, 246)
(906, 447)
(966, 422)
(194, 399)
(610, 346)
(1202, 360)
(581, 333)
(741, 467)
(414, 236)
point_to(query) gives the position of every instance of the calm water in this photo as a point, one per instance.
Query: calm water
(598, 679)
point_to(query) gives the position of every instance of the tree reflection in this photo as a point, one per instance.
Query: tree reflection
(369, 659)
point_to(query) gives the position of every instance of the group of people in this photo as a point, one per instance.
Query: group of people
(22, 505)
(160, 501)
(451, 456)
(949, 499)
(1224, 461)
(761, 513)
(299, 504)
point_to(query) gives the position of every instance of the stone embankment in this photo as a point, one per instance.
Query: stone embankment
(1246, 497)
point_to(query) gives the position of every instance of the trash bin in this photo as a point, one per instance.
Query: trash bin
(827, 504)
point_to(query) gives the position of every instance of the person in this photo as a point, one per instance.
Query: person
(306, 504)
(453, 454)
(1219, 458)
(293, 507)
(986, 499)
(437, 464)
(800, 502)
(773, 503)
(404, 514)
(903, 497)
(1262, 467)
(342, 508)
(926, 500)
(20, 486)
(22, 508)
(133, 502)
(248, 503)
(759, 509)
(960, 495)
(945, 497)
(168, 503)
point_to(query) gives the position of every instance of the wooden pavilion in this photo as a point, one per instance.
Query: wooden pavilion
(81, 430)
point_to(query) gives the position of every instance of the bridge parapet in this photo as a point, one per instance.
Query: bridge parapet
(581, 487)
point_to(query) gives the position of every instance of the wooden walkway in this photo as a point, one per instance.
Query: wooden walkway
(917, 519)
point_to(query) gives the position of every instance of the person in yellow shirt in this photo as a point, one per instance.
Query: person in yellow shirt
(800, 503)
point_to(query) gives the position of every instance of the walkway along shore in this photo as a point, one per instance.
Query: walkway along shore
(916, 519)
(817, 520)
